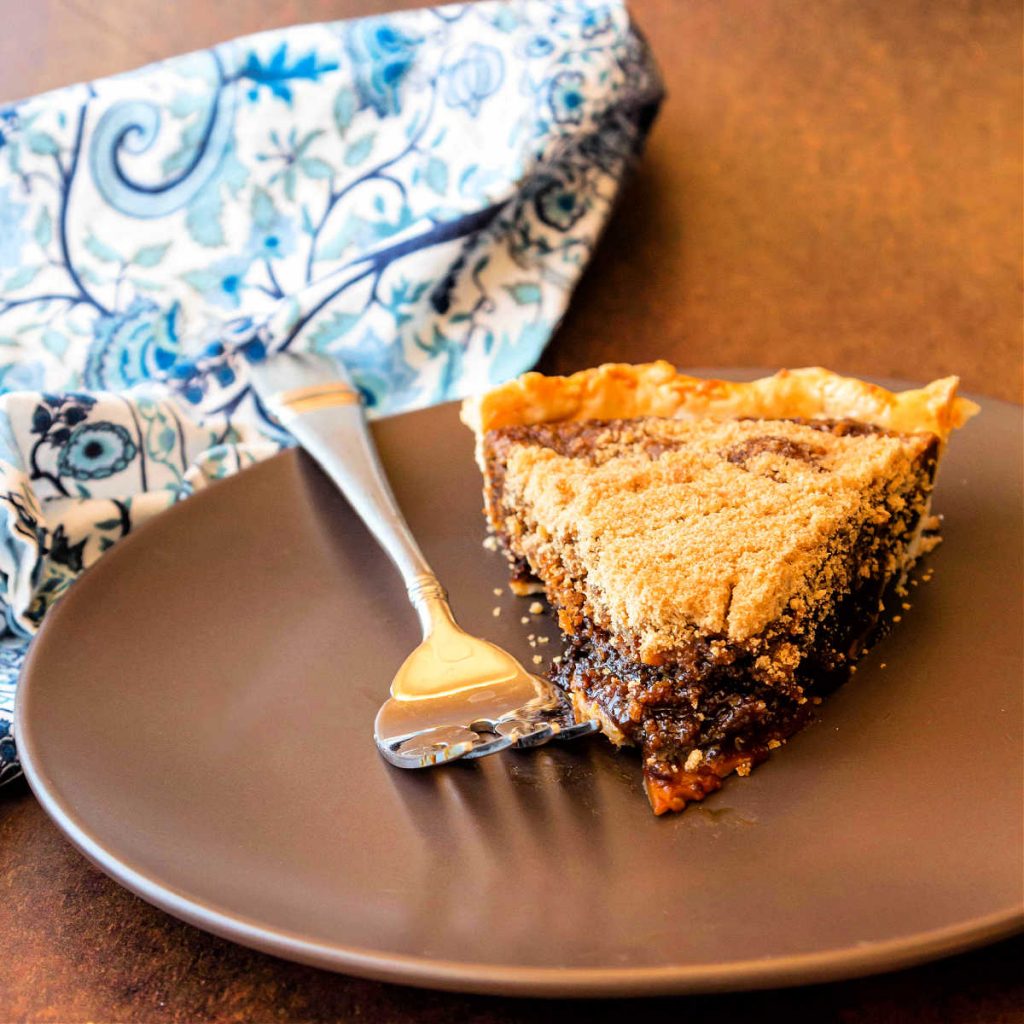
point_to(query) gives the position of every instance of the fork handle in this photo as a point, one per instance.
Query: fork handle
(327, 419)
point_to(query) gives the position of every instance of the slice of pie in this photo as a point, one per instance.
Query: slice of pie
(718, 554)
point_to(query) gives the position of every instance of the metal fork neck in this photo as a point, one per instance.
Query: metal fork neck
(430, 600)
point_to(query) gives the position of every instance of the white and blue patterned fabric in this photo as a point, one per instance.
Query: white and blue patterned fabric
(416, 194)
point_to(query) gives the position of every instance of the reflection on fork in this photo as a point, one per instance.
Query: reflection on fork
(459, 696)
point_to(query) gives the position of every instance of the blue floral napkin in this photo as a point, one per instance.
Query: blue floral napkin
(416, 194)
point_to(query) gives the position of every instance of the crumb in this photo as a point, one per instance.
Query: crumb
(774, 744)
(537, 659)
(556, 660)
(815, 701)
(853, 668)
(571, 496)
(743, 770)
(495, 611)
(531, 637)
(525, 620)
(498, 591)
(906, 606)
(491, 543)
(693, 760)
(542, 639)
(897, 618)
(882, 665)
(536, 608)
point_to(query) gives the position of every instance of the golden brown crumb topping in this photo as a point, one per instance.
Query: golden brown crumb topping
(713, 524)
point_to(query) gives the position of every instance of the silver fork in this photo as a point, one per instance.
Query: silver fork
(456, 696)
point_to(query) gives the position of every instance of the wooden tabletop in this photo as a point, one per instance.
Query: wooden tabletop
(834, 183)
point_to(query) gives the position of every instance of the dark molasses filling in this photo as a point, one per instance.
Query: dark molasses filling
(695, 726)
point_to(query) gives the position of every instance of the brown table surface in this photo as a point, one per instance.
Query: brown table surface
(835, 182)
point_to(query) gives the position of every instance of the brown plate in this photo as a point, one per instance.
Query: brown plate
(196, 716)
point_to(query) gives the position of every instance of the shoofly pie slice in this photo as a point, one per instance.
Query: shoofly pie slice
(718, 553)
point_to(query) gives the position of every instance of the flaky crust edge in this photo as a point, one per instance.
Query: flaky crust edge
(625, 391)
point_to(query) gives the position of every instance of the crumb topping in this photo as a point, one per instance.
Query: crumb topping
(713, 524)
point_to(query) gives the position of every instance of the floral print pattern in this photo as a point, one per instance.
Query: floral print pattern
(474, 77)
(134, 346)
(12, 236)
(414, 194)
(565, 94)
(95, 451)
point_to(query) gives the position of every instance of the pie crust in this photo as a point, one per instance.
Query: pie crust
(627, 391)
